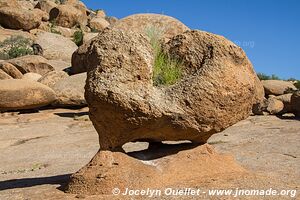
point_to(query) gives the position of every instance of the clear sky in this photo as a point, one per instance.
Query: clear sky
(268, 30)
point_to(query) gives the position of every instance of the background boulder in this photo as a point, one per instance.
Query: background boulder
(31, 63)
(55, 46)
(277, 87)
(18, 18)
(23, 94)
(165, 26)
(70, 91)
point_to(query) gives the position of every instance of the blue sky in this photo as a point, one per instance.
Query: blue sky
(268, 30)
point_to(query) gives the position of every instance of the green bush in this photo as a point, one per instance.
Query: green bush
(52, 26)
(78, 38)
(297, 85)
(166, 70)
(263, 76)
(14, 47)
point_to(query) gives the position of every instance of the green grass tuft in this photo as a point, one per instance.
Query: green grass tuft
(166, 70)
(78, 37)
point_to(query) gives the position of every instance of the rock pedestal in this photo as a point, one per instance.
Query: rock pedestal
(160, 167)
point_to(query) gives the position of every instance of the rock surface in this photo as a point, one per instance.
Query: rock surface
(7, 33)
(32, 76)
(51, 78)
(98, 23)
(277, 87)
(11, 70)
(55, 46)
(148, 169)
(24, 94)
(18, 18)
(166, 26)
(275, 106)
(218, 89)
(31, 63)
(88, 36)
(67, 15)
(70, 91)
(4, 75)
(295, 103)
(46, 5)
(23, 157)
(59, 65)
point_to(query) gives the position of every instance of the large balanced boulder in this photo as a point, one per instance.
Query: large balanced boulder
(162, 25)
(69, 90)
(31, 63)
(19, 18)
(277, 87)
(24, 94)
(55, 46)
(217, 89)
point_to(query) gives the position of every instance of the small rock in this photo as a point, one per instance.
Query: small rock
(274, 106)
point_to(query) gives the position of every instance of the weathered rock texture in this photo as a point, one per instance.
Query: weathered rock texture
(31, 63)
(11, 70)
(24, 94)
(70, 91)
(18, 18)
(4, 75)
(98, 23)
(109, 170)
(295, 101)
(8, 33)
(69, 15)
(217, 90)
(51, 78)
(55, 46)
(277, 87)
(165, 25)
(32, 76)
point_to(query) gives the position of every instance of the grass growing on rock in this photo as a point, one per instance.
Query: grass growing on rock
(14, 47)
(78, 37)
(166, 70)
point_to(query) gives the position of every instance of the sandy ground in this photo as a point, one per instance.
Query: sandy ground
(40, 150)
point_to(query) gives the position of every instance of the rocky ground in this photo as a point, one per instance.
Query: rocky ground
(40, 150)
